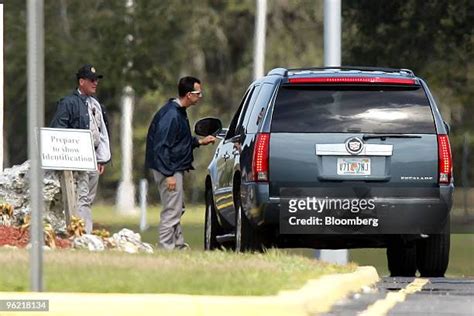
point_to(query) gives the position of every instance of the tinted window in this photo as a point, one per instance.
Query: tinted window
(260, 107)
(250, 106)
(352, 109)
(234, 124)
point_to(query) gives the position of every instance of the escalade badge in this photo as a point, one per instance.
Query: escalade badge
(354, 145)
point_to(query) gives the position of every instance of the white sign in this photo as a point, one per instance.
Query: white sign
(67, 149)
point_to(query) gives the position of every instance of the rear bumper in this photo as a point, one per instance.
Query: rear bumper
(394, 214)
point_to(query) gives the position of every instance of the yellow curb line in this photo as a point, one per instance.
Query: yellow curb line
(315, 296)
(318, 295)
(383, 306)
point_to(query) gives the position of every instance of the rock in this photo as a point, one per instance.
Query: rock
(146, 247)
(15, 190)
(128, 241)
(128, 247)
(125, 240)
(91, 242)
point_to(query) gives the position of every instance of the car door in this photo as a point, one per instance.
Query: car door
(223, 192)
(228, 155)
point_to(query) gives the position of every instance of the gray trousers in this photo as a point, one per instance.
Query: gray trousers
(169, 229)
(86, 190)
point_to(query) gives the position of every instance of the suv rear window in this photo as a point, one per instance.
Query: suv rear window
(352, 109)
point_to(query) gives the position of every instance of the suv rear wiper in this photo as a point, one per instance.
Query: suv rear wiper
(384, 136)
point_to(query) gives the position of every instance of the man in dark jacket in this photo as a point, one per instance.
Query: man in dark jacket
(169, 153)
(81, 110)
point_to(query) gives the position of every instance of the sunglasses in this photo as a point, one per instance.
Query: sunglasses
(198, 93)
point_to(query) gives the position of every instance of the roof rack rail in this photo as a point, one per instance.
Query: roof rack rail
(384, 69)
(278, 72)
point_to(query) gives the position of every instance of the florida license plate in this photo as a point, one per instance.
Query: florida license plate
(353, 166)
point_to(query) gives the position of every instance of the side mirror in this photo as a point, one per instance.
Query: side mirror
(447, 127)
(207, 126)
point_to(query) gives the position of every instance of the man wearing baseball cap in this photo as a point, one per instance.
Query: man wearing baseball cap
(82, 110)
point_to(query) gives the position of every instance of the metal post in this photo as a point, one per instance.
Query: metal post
(143, 194)
(259, 45)
(332, 33)
(35, 36)
(126, 190)
(332, 57)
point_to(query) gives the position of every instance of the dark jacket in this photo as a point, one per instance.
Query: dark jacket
(72, 112)
(169, 145)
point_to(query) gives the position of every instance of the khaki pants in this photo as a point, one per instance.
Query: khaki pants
(86, 190)
(169, 229)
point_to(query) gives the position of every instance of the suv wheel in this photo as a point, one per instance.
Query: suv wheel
(401, 259)
(211, 227)
(245, 234)
(433, 255)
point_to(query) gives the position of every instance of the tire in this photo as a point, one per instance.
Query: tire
(433, 255)
(246, 239)
(401, 259)
(211, 226)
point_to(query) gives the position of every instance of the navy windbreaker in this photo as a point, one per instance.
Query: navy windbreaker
(169, 145)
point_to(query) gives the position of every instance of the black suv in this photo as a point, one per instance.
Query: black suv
(333, 158)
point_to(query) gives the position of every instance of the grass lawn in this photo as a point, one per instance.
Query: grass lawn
(183, 272)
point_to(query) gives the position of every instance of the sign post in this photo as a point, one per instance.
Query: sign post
(69, 195)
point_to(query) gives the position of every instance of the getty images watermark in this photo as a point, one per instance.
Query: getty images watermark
(319, 206)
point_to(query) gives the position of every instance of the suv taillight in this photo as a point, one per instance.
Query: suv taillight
(445, 159)
(260, 158)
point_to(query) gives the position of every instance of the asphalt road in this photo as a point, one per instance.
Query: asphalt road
(411, 296)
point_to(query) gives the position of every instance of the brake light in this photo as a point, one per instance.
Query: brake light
(362, 80)
(260, 158)
(445, 159)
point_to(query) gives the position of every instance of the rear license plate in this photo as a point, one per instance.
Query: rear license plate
(353, 166)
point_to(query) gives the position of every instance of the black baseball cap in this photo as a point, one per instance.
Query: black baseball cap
(88, 72)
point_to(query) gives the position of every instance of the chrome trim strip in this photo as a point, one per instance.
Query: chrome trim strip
(340, 150)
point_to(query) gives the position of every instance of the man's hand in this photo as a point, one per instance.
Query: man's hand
(100, 168)
(207, 140)
(171, 183)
